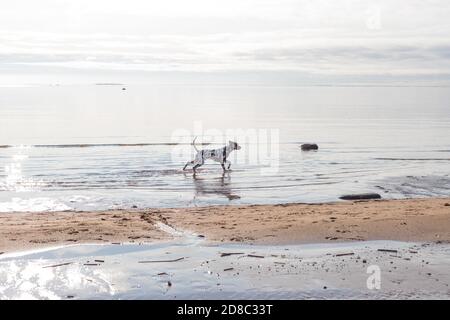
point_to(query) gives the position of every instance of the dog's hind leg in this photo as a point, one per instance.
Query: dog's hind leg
(196, 166)
(198, 161)
(187, 163)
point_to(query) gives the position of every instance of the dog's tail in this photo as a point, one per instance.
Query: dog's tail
(193, 143)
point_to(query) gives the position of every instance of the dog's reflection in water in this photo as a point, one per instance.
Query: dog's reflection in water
(214, 186)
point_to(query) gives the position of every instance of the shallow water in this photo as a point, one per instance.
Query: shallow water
(98, 147)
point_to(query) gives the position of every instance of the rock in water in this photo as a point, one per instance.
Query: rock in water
(361, 196)
(309, 146)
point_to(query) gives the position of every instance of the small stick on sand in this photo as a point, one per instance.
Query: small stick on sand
(254, 256)
(344, 254)
(388, 250)
(156, 261)
(58, 265)
(226, 254)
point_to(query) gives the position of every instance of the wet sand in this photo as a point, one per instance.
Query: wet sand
(425, 220)
(190, 268)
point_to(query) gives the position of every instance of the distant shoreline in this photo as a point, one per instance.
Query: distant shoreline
(425, 220)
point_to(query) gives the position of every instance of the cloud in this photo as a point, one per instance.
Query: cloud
(313, 37)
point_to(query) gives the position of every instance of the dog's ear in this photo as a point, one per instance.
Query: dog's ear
(230, 142)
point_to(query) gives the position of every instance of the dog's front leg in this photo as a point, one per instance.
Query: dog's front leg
(226, 165)
(229, 164)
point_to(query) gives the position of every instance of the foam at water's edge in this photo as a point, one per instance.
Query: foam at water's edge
(33, 205)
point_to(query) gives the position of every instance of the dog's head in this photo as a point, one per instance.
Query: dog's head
(234, 145)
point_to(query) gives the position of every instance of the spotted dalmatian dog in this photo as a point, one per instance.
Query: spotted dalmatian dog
(218, 155)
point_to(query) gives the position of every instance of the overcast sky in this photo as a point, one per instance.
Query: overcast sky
(391, 38)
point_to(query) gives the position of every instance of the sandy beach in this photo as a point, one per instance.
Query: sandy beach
(426, 220)
(289, 251)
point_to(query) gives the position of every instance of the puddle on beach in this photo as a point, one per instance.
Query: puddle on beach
(190, 268)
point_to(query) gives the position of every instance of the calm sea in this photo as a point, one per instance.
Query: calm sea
(96, 147)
